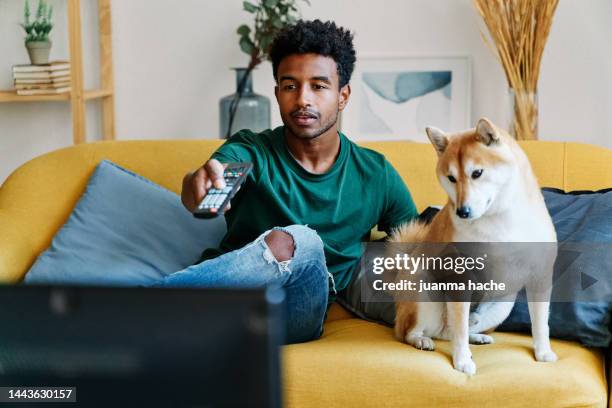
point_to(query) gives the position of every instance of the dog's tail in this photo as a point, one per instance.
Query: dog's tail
(414, 231)
(406, 312)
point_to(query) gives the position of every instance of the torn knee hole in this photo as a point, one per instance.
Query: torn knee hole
(281, 245)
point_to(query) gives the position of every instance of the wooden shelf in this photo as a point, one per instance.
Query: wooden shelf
(78, 95)
(11, 96)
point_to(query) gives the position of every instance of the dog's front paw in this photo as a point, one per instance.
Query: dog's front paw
(421, 342)
(477, 338)
(464, 363)
(546, 355)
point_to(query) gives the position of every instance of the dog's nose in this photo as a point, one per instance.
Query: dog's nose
(463, 212)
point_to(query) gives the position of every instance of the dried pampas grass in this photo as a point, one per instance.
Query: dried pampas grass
(519, 30)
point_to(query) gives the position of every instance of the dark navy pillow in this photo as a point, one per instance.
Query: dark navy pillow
(579, 216)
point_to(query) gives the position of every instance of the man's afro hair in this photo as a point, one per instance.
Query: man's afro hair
(317, 37)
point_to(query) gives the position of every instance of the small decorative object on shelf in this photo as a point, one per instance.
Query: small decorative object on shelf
(45, 79)
(519, 29)
(37, 32)
(270, 17)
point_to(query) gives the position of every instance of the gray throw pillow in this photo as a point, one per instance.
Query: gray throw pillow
(124, 231)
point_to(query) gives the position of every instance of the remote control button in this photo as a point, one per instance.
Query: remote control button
(219, 200)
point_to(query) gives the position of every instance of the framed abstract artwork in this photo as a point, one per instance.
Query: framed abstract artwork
(395, 98)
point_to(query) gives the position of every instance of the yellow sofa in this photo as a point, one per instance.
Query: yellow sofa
(355, 363)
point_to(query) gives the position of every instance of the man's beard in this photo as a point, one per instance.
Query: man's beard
(300, 134)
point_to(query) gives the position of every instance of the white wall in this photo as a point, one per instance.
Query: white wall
(172, 61)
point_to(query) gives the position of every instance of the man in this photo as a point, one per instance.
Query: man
(313, 196)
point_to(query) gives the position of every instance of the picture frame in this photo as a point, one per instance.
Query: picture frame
(396, 97)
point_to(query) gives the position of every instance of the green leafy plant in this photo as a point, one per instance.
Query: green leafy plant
(39, 28)
(271, 16)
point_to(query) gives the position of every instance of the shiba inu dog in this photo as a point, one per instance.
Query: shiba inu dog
(493, 196)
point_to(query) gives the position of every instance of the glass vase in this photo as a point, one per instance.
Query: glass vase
(252, 110)
(523, 114)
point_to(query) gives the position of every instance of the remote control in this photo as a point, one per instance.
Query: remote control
(215, 201)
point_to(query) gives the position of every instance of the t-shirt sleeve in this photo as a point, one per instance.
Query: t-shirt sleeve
(240, 147)
(398, 207)
(243, 146)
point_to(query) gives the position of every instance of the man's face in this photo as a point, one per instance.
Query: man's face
(308, 94)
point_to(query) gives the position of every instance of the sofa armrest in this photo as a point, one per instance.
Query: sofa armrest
(35, 201)
(17, 250)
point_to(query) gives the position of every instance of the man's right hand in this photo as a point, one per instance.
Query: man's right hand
(196, 184)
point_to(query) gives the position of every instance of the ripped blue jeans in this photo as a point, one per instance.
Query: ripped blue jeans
(304, 278)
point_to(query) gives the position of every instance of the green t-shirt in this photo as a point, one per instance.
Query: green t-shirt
(359, 191)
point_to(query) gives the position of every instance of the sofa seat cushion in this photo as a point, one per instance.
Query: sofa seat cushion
(337, 312)
(359, 364)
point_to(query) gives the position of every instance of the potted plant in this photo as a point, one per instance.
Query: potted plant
(37, 32)
(244, 108)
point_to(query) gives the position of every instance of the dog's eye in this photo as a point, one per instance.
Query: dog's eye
(476, 173)
(452, 179)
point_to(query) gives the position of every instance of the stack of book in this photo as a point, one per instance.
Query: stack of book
(46, 79)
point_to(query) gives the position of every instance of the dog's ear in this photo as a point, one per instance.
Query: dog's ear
(487, 132)
(438, 139)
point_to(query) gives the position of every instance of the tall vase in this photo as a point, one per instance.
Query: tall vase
(523, 114)
(252, 112)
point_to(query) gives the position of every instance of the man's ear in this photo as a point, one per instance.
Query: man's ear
(438, 139)
(345, 93)
(487, 132)
(276, 92)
